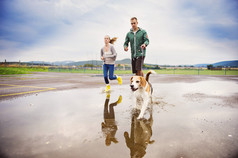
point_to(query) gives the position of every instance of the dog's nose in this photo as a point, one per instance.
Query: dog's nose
(132, 86)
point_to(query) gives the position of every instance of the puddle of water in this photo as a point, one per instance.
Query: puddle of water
(187, 121)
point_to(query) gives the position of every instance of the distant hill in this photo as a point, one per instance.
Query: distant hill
(232, 63)
(79, 63)
(61, 62)
(124, 61)
(201, 65)
(97, 62)
(48, 63)
(38, 62)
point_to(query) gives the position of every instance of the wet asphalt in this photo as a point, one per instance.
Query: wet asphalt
(191, 116)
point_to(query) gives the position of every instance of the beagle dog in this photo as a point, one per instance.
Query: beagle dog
(140, 136)
(142, 91)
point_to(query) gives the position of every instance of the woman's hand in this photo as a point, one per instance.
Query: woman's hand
(102, 58)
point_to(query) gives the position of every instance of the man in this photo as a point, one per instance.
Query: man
(138, 39)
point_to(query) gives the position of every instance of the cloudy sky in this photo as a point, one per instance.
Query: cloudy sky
(180, 32)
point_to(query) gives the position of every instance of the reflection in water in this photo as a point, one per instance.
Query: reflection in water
(141, 132)
(109, 127)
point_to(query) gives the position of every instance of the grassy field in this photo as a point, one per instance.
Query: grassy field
(20, 70)
(28, 70)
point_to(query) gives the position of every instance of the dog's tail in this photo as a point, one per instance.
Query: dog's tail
(148, 74)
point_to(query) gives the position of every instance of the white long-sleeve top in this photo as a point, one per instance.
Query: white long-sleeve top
(110, 56)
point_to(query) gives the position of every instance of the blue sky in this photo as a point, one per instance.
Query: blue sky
(180, 32)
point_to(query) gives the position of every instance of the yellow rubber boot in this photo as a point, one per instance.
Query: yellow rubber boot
(119, 80)
(119, 99)
(108, 88)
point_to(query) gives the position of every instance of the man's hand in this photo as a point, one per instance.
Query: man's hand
(143, 46)
(126, 49)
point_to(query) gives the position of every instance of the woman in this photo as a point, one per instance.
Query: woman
(109, 126)
(108, 55)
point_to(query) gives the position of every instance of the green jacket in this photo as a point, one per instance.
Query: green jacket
(136, 41)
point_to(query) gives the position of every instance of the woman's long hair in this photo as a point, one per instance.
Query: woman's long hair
(113, 40)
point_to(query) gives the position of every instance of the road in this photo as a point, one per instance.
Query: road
(68, 115)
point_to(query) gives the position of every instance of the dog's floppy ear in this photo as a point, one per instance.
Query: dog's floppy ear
(131, 78)
(142, 82)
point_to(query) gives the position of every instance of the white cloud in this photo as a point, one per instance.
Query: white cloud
(177, 31)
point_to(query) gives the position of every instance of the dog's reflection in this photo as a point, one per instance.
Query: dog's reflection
(141, 132)
(109, 126)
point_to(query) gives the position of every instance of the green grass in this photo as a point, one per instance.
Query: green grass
(20, 70)
(28, 70)
(161, 71)
(86, 71)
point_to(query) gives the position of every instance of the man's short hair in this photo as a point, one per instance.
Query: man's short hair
(134, 18)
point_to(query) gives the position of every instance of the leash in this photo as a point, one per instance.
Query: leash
(142, 52)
